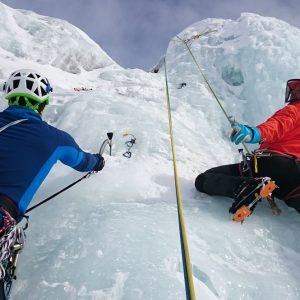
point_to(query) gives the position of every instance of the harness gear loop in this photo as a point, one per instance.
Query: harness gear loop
(188, 274)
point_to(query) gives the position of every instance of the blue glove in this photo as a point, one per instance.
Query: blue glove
(244, 134)
(100, 164)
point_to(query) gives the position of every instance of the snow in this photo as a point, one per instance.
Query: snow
(61, 50)
(115, 235)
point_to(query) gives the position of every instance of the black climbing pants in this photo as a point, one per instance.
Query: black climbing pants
(285, 171)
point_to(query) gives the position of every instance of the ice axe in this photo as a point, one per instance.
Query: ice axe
(106, 142)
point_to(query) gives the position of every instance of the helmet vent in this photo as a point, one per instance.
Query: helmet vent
(43, 81)
(44, 93)
(36, 92)
(22, 101)
(18, 74)
(31, 76)
(32, 102)
(16, 83)
(29, 84)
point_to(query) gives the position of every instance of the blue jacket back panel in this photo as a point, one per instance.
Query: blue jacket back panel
(29, 149)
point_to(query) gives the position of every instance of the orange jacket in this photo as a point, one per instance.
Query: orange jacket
(281, 132)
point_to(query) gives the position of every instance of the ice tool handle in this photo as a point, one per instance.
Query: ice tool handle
(106, 142)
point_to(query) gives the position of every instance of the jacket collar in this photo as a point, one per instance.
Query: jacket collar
(23, 112)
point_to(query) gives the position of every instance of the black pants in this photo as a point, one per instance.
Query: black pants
(224, 180)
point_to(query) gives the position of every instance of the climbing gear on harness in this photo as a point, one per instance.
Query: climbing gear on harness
(246, 167)
(256, 154)
(292, 91)
(129, 144)
(106, 142)
(11, 243)
(8, 221)
(248, 194)
(187, 268)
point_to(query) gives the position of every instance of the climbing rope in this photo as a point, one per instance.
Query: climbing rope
(188, 274)
(229, 118)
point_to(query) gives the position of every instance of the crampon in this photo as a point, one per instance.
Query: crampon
(248, 195)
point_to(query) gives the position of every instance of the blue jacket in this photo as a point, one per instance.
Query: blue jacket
(29, 149)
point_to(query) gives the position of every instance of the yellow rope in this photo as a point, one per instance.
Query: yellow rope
(179, 201)
(255, 164)
(209, 86)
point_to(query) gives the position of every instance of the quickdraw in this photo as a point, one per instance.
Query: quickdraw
(129, 144)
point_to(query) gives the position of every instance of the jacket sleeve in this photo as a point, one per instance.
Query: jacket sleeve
(277, 126)
(72, 155)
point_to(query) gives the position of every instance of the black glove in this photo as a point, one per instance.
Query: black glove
(100, 164)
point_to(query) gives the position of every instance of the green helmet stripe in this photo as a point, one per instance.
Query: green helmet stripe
(25, 95)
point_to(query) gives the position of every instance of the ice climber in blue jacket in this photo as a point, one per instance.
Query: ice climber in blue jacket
(29, 146)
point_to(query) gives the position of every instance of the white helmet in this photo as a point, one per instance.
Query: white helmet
(27, 85)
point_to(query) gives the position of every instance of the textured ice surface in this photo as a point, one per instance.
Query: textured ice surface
(115, 235)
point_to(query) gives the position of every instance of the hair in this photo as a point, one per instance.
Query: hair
(27, 102)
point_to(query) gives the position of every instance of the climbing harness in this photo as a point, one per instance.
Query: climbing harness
(129, 144)
(106, 142)
(188, 274)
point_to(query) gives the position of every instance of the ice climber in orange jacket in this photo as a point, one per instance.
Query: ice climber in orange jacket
(277, 158)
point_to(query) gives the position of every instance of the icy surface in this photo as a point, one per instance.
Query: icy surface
(115, 235)
(48, 41)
